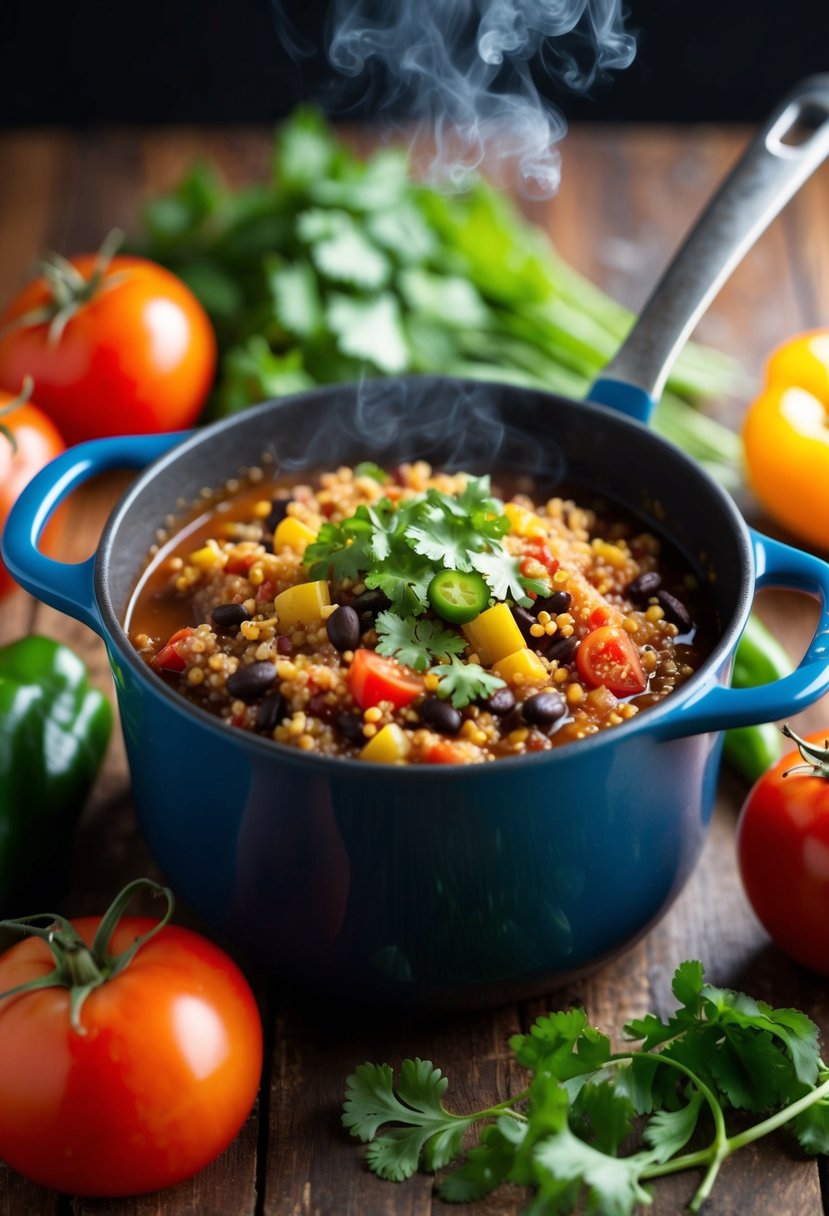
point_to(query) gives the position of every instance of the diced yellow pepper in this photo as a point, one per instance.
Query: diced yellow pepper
(494, 634)
(292, 534)
(302, 605)
(389, 746)
(523, 662)
(206, 558)
(522, 521)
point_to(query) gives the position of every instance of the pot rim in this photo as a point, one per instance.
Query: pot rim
(650, 720)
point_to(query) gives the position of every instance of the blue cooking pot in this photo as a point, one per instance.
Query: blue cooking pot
(447, 885)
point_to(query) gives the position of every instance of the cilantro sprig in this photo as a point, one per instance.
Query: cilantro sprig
(563, 1134)
(398, 548)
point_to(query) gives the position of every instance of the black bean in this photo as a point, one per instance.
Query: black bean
(501, 703)
(562, 650)
(226, 616)
(524, 620)
(318, 707)
(371, 602)
(675, 611)
(559, 601)
(543, 709)
(441, 716)
(640, 590)
(271, 712)
(249, 683)
(350, 727)
(343, 628)
(279, 510)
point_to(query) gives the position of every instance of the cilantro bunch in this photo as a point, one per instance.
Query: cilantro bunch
(338, 267)
(398, 548)
(564, 1135)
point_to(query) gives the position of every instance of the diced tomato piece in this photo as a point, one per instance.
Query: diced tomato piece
(168, 657)
(373, 678)
(265, 593)
(444, 752)
(599, 617)
(537, 549)
(607, 656)
(240, 564)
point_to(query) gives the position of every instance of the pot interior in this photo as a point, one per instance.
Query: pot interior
(452, 424)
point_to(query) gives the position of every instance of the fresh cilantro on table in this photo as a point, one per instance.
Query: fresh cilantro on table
(562, 1135)
(336, 268)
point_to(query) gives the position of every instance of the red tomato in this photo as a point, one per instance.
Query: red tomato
(608, 656)
(783, 855)
(138, 356)
(373, 678)
(537, 550)
(169, 657)
(157, 1085)
(444, 752)
(37, 443)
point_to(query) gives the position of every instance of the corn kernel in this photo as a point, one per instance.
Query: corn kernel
(654, 613)
(574, 694)
(537, 630)
(373, 714)
(516, 737)
(431, 682)
(262, 509)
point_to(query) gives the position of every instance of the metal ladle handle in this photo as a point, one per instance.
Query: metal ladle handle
(786, 151)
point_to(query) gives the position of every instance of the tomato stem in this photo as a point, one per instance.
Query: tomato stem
(68, 289)
(79, 967)
(816, 758)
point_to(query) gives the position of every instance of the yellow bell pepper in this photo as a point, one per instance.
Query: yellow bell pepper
(292, 534)
(389, 746)
(302, 605)
(523, 522)
(524, 663)
(494, 634)
(786, 438)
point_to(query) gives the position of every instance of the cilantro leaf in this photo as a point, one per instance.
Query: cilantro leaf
(370, 329)
(670, 1130)
(502, 572)
(812, 1126)
(487, 1165)
(404, 578)
(442, 541)
(465, 682)
(429, 1132)
(417, 643)
(612, 1183)
(341, 250)
(367, 468)
(341, 550)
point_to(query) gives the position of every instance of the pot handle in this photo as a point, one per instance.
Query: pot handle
(68, 586)
(780, 158)
(716, 707)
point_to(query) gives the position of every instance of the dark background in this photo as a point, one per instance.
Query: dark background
(102, 61)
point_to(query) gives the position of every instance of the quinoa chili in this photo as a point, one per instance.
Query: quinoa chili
(418, 617)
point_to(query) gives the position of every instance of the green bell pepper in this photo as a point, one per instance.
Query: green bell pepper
(759, 659)
(54, 730)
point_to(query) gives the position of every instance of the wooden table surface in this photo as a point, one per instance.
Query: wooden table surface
(626, 197)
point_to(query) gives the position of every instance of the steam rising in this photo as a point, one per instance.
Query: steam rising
(465, 71)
